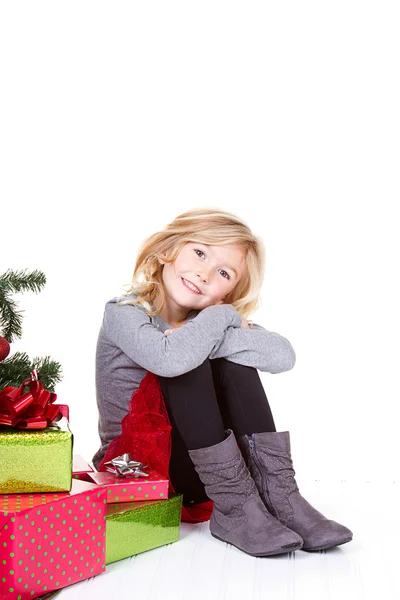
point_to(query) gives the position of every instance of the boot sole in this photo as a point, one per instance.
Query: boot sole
(285, 550)
(327, 547)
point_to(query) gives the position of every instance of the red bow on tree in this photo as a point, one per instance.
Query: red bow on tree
(32, 410)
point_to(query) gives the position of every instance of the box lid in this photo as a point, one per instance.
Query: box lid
(79, 465)
(10, 504)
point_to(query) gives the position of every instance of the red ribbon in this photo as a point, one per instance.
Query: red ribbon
(32, 410)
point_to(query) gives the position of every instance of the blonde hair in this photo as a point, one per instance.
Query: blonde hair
(207, 226)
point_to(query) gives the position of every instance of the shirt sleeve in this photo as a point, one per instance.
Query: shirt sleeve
(184, 349)
(256, 347)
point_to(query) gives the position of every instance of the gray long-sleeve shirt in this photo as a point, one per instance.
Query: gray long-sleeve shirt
(131, 343)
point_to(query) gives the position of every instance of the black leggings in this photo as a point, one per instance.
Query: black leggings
(201, 405)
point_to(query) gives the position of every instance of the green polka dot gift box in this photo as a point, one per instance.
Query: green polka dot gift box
(135, 527)
(49, 541)
(132, 488)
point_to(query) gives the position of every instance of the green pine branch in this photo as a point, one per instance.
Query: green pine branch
(14, 369)
(16, 281)
(21, 281)
(10, 318)
(49, 371)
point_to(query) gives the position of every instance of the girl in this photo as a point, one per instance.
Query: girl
(180, 347)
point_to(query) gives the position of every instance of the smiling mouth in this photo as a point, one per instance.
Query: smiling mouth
(187, 284)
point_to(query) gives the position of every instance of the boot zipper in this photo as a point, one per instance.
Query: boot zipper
(263, 476)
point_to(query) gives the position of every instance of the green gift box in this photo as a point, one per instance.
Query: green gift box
(135, 527)
(36, 460)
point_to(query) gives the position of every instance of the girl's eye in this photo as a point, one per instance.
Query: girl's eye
(227, 274)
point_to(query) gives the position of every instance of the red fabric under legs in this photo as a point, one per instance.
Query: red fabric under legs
(146, 436)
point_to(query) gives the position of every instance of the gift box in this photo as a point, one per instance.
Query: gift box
(135, 527)
(55, 542)
(80, 468)
(36, 460)
(132, 488)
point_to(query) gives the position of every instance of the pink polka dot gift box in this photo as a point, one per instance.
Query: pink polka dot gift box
(49, 541)
(132, 488)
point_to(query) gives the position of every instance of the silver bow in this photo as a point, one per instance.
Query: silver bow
(124, 465)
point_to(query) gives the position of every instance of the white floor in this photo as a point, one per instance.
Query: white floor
(200, 567)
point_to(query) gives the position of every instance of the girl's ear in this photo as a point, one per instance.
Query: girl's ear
(160, 259)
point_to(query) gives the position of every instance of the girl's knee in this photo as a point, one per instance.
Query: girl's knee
(197, 372)
(229, 366)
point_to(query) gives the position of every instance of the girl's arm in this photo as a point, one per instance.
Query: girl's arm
(256, 347)
(245, 323)
(129, 328)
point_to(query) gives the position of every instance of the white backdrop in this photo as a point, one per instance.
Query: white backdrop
(116, 117)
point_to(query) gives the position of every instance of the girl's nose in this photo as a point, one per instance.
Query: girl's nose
(203, 276)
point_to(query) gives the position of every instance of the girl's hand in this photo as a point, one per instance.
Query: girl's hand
(245, 324)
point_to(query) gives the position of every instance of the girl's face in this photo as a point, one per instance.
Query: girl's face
(214, 270)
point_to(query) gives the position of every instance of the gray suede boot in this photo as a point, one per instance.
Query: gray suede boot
(268, 458)
(239, 516)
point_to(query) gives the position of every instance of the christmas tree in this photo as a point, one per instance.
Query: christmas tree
(16, 368)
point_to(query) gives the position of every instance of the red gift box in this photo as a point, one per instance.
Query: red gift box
(50, 541)
(132, 488)
(80, 468)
